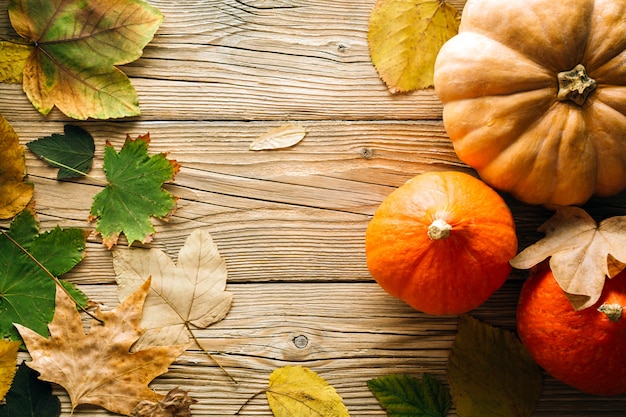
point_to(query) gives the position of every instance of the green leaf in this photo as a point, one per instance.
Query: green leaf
(72, 152)
(77, 46)
(406, 396)
(30, 397)
(27, 292)
(405, 37)
(491, 373)
(134, 192)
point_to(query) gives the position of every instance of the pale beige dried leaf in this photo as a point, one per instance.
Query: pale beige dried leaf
(98, 368)
(175, 404)
(579, 251)
(189, 292)
(281, 137)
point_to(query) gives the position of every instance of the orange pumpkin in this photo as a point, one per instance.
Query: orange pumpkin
(441, 242)
(534, 95)
(586, 348)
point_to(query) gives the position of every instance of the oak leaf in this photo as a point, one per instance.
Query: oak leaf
(491, 373)
(405, 37)
(98, 368)
(134, 192)
(8, 357)
(183, 295)
(298, 391)
(15, 194)
(76, 48)
(582, 252)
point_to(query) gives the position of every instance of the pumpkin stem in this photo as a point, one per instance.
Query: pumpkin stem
(439, 229)
(612, 311)
(575, 85)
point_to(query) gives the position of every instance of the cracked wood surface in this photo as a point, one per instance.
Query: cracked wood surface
(290, 223)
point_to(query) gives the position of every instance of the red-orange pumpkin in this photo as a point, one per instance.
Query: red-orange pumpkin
(441, 242)
(585, 349)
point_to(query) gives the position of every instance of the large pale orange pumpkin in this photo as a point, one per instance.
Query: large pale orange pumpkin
(534, 95)
(585, 349)
(441, 242)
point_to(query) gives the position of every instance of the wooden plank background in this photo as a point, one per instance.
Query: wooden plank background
(290, 223)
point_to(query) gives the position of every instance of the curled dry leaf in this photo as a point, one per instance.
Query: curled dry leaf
(175, 404)
(281, 137)
(98, 368)
(188, 293)
(582, 252)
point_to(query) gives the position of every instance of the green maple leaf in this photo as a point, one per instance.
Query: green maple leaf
(75, 48)
(406, 396)
(71, 152)
(30, 397)
(134, 192)
(27, 291)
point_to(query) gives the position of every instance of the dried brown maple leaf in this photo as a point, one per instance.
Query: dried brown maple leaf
(98, 368)
(582, 252)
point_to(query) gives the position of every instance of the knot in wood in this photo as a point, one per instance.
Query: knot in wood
(300, 341)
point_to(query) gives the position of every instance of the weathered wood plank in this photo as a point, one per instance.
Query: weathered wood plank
(249, 60)
(292, 214)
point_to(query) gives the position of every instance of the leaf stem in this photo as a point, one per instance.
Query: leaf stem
(74, 170)
(50, 274)
(193, 336)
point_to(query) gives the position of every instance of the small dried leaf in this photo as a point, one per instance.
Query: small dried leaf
(281, 137)
(175, 404)
(579, 251)
(298, 391)
(491, 373)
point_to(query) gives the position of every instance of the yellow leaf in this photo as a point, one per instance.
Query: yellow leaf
(298, 391)
(15, 194)
(405, 37)
(8, 360)
(13, 57)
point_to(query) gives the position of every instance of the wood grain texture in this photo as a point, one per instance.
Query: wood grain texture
(290, 223)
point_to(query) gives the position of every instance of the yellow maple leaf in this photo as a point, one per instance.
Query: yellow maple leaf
(15, 194)
(405, 37)
(298, 391)
(8, 359)
(13, 57)
(98, 368)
